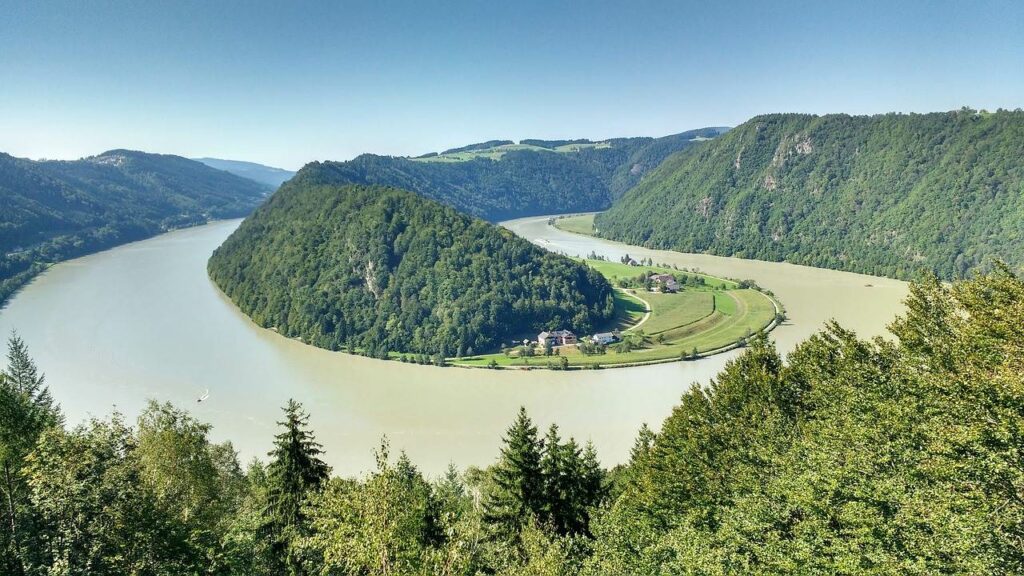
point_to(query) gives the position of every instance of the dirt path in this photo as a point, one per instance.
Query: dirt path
(647, 315)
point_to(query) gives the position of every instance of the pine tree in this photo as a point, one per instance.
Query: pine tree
(642, 445)
(26, 410)
(295, 472)
(573, 484)
(517, 492)
(594, 490)
(554, 467)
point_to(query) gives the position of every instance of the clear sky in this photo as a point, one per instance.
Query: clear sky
(284, 83)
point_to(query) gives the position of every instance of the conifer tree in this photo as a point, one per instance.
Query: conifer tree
(576, 499)
(26, 410)
(593, 479)
(295, 472)
(573, 484)
(517, 492)
(554, 466)
(642, 445)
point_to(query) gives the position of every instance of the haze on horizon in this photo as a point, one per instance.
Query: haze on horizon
(287, 83)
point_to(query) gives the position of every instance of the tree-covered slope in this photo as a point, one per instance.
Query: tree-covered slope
(851, 457)
(53, 210)
(504, 182)
(378, 269)
(885, 195)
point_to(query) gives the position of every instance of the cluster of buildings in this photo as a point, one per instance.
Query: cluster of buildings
(552, 338)
(567, 338)
(556, 338)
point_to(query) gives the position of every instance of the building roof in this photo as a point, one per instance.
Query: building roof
(555, 334)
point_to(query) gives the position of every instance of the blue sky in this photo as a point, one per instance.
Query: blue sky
(284, 83)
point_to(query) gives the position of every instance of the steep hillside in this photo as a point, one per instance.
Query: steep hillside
(498, 180)
(377, 270)
(54, 210)
(887, 195)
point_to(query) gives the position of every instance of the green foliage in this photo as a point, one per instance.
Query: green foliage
(520, 182)
(94, 511)
(517, 496)
(376, 270)
(855, 457)
(55, 210)
(851, 457)
(478, 146)
(552, 144)
(245, 546)
(886, 195)
(295, 473)
(393, 523)
(26, 411)
(196, 485)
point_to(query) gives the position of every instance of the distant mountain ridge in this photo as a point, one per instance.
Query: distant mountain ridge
(887, 195)
(497, 180)
(268, 175)
(55, 210)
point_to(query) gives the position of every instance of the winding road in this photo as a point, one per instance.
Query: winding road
(647, 305)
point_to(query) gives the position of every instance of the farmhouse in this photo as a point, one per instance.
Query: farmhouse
(665, 281)
(605, 338)
(556, 338)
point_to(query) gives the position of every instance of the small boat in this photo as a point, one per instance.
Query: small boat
(204, 396)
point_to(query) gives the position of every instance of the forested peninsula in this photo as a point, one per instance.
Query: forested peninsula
(499, 180)
(377, 270)
(887, 195)
(55, 210)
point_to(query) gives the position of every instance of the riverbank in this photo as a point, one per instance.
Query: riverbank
(54, 251)
(812, 296)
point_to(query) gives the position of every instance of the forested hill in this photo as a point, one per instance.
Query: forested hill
(887, 195)
(54, 210)
(498, 180)
(377, 270)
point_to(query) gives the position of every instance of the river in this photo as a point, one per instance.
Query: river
(143, 321)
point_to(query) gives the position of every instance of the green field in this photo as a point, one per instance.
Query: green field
(628, 311)
(670, 311)
(615, 271)
(497, 152)
(708, 318)
(581, 224)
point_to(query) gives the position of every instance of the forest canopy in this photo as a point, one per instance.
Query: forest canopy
(377, 270)
(888, 195)
(519, 182)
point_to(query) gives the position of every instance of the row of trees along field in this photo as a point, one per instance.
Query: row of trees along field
(851, 457)
(887, 195)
